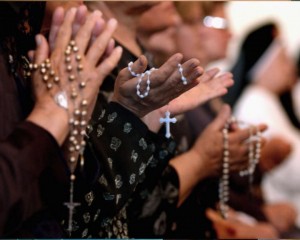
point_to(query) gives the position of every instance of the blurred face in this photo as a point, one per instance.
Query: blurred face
(278, 74)
(188, 41)
(159, 18)
(204, 37)
(215, 36)
(156, 30)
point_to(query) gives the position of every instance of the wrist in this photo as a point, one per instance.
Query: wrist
(197, 161)
(52, 119)
(152, 120)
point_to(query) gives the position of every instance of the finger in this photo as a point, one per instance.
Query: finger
(65, 31)
(222, 118)
(110, 62)
(240, 135)
(226, 80)
(110, 47)
(42, 49)
(263, 142)
(219, 85)
(31, 55)
(98, 28)
(100, 44)
(213, 215)
(80, 19)
(85, 32)
(239, 152)
(262, 127)
(57, 20)
(191, 70)
(210, 74)
(166, 70)
(226, 75)
(137, 67)
(41, 53)
(162, 79)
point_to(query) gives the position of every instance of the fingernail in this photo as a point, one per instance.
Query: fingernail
(112, 22)
(119, 49)
(178, 57)
(30, 57)
(97, 13)
(38, 40)
(73, 10)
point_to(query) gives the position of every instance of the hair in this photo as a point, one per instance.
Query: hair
(21, 21)
(254, 46)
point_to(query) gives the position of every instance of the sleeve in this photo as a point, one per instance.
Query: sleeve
(124, 149)
(23, 157)
(120, 143)
(151, 211)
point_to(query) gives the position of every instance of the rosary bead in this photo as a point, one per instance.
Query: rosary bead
(78, 58)
(45, 78)
(72, 177)
(68, 59)
(72, 159)
(43, 70)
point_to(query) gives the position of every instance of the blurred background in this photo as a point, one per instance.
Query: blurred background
(246, 15)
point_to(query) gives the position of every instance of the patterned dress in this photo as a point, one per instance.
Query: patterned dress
(124, 161)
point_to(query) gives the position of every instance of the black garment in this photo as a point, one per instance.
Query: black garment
(124, 151)
(27, 152)
(191, 221)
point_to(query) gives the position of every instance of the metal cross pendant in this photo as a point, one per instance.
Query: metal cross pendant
(71, 205)
(167, 120)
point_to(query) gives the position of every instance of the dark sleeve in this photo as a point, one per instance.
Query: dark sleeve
(151, 211)
(23, 157)
(124, 148)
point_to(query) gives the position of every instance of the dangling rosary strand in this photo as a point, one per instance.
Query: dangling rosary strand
(253, 160)
(77, 118)
(224, 180)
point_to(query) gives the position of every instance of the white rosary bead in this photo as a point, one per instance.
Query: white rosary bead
(224, 180)
(183, 78)
(254, 154)
(131, 71)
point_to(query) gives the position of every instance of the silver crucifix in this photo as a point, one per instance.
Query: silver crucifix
(71, 205)
(167, 120)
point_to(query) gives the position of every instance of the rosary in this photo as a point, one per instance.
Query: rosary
(77, 115)
(254, 150)
(167, 120)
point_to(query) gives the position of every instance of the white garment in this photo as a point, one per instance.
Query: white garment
(257, 105)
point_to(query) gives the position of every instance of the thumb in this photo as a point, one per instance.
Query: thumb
(138, 67)
(222, 117)
(31, 55)
(42, 49)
